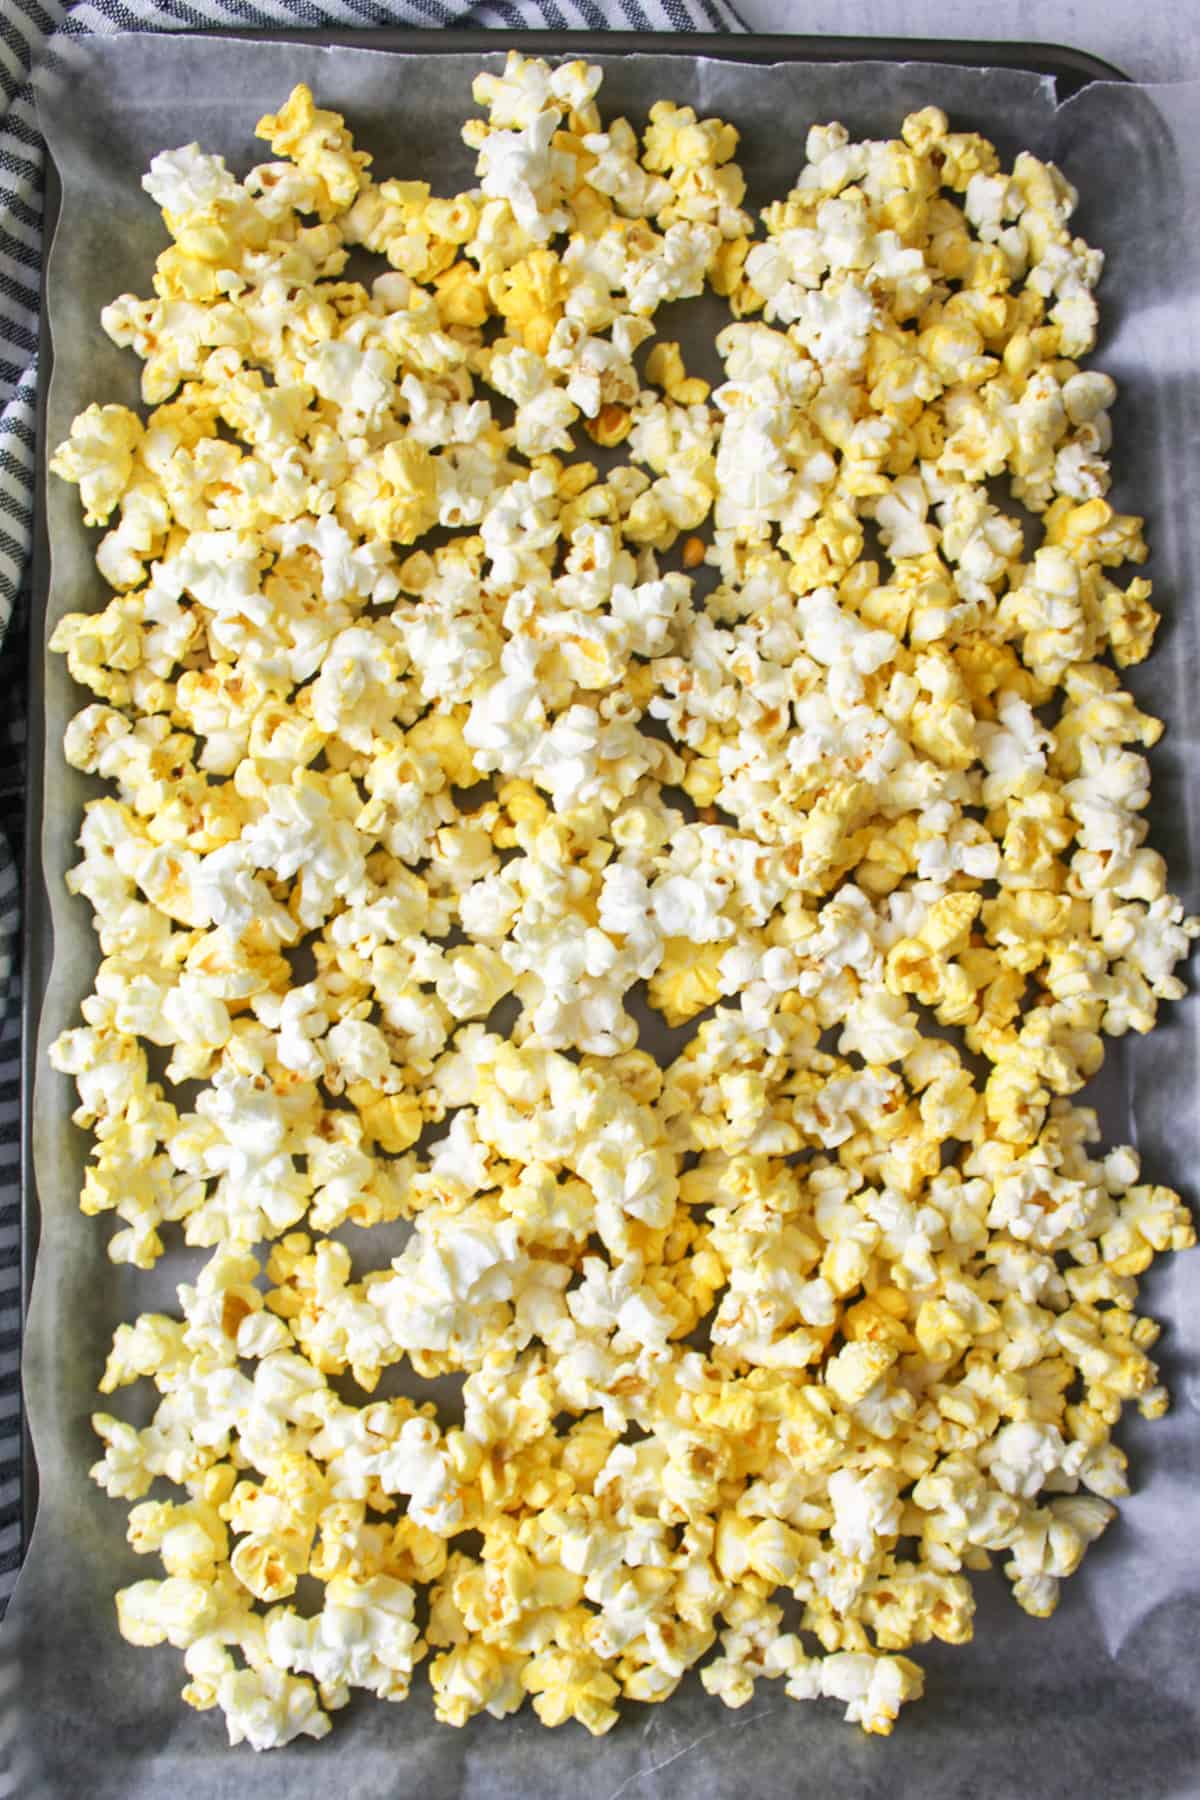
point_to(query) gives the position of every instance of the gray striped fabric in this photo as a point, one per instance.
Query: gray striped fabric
(26, 28)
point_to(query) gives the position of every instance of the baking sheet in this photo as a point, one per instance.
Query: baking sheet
(1100, 1699)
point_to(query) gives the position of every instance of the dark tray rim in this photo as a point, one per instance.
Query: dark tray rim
(1071, 69)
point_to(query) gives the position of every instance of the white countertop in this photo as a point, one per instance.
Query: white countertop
(1151, 40)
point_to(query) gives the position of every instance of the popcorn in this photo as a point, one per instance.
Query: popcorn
(404, 846)
(363, 1637)
(99, 457)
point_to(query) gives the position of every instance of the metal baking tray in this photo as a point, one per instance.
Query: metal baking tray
(1071, 70)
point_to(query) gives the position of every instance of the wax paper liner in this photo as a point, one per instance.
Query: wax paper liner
(1101, 1699)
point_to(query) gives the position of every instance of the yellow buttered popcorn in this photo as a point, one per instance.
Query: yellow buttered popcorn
(676, 895)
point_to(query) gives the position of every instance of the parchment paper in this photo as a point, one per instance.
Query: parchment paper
(1103, 1698)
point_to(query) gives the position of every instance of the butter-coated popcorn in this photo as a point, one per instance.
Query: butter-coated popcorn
(411, 853)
